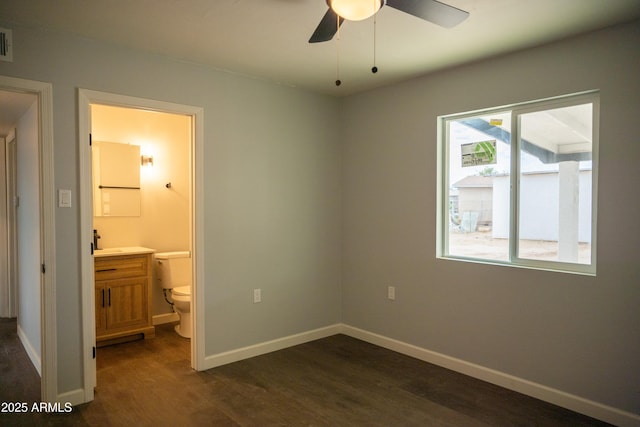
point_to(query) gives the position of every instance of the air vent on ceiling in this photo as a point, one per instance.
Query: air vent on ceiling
(6, 45)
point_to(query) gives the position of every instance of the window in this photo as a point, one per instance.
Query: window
(518, 184)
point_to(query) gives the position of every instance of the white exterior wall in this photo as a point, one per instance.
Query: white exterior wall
(476, 200)
(539, 207)
(501, 200)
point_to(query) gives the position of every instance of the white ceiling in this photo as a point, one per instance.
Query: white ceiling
(268, 38)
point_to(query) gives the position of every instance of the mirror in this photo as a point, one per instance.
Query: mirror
(116, 179)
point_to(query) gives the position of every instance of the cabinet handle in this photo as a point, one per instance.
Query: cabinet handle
(103, 297)
(107, 269)
(109, 297)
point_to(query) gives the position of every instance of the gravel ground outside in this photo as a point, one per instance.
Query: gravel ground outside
(480, 244)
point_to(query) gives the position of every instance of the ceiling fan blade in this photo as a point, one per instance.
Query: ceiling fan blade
(432, 11)
(327, 28)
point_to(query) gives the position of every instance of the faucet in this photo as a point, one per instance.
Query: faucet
(96, 236)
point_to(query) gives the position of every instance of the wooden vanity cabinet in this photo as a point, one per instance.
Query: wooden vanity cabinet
(123, 297)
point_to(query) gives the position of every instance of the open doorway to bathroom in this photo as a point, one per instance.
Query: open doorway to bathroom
(166, 139)
(154, 209)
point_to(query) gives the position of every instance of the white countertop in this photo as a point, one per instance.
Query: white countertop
(129, 250)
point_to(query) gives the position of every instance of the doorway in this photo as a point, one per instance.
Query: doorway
(17, 111)
(34, 278)
(90, 102)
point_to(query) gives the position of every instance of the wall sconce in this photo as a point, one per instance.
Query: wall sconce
(146, 160)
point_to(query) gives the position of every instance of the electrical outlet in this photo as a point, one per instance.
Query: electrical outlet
(391, 292)
(257, 295)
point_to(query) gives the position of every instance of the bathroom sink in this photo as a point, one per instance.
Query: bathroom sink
(133, 250)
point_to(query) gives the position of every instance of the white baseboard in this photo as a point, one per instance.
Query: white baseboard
(31, 352)
(160, 319)
(557, 397)
(75, 397)
(269, 346)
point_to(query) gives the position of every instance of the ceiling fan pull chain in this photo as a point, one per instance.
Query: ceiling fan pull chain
(374, 69)
(338, 81)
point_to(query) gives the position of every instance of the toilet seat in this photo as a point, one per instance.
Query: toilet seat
(181, 291)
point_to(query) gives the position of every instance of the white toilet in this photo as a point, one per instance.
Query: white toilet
(173, 272)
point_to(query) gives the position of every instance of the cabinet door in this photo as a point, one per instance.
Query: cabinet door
(127, 303)
(101, 312)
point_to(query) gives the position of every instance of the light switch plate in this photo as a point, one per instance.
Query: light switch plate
(64, 198)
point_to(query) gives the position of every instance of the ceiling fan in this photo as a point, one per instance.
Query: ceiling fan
(354, 10)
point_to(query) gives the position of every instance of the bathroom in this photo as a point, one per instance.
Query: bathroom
(158, 214)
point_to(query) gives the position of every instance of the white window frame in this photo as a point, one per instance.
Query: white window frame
(443, 184)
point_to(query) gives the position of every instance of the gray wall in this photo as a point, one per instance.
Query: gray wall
(271, 189)
(28, 221)
(5, 302)
(574, 333)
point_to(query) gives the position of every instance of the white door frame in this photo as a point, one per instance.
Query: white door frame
(48, 331)
(11, 277)
(85, 99)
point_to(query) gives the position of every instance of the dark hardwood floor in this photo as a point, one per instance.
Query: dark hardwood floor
(18, 377)
(336, 381)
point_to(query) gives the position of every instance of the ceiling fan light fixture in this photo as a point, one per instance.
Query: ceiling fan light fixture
(355, 10)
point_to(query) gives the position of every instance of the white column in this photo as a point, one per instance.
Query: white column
(569, 195)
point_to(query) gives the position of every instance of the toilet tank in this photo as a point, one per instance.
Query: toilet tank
(173, 269)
